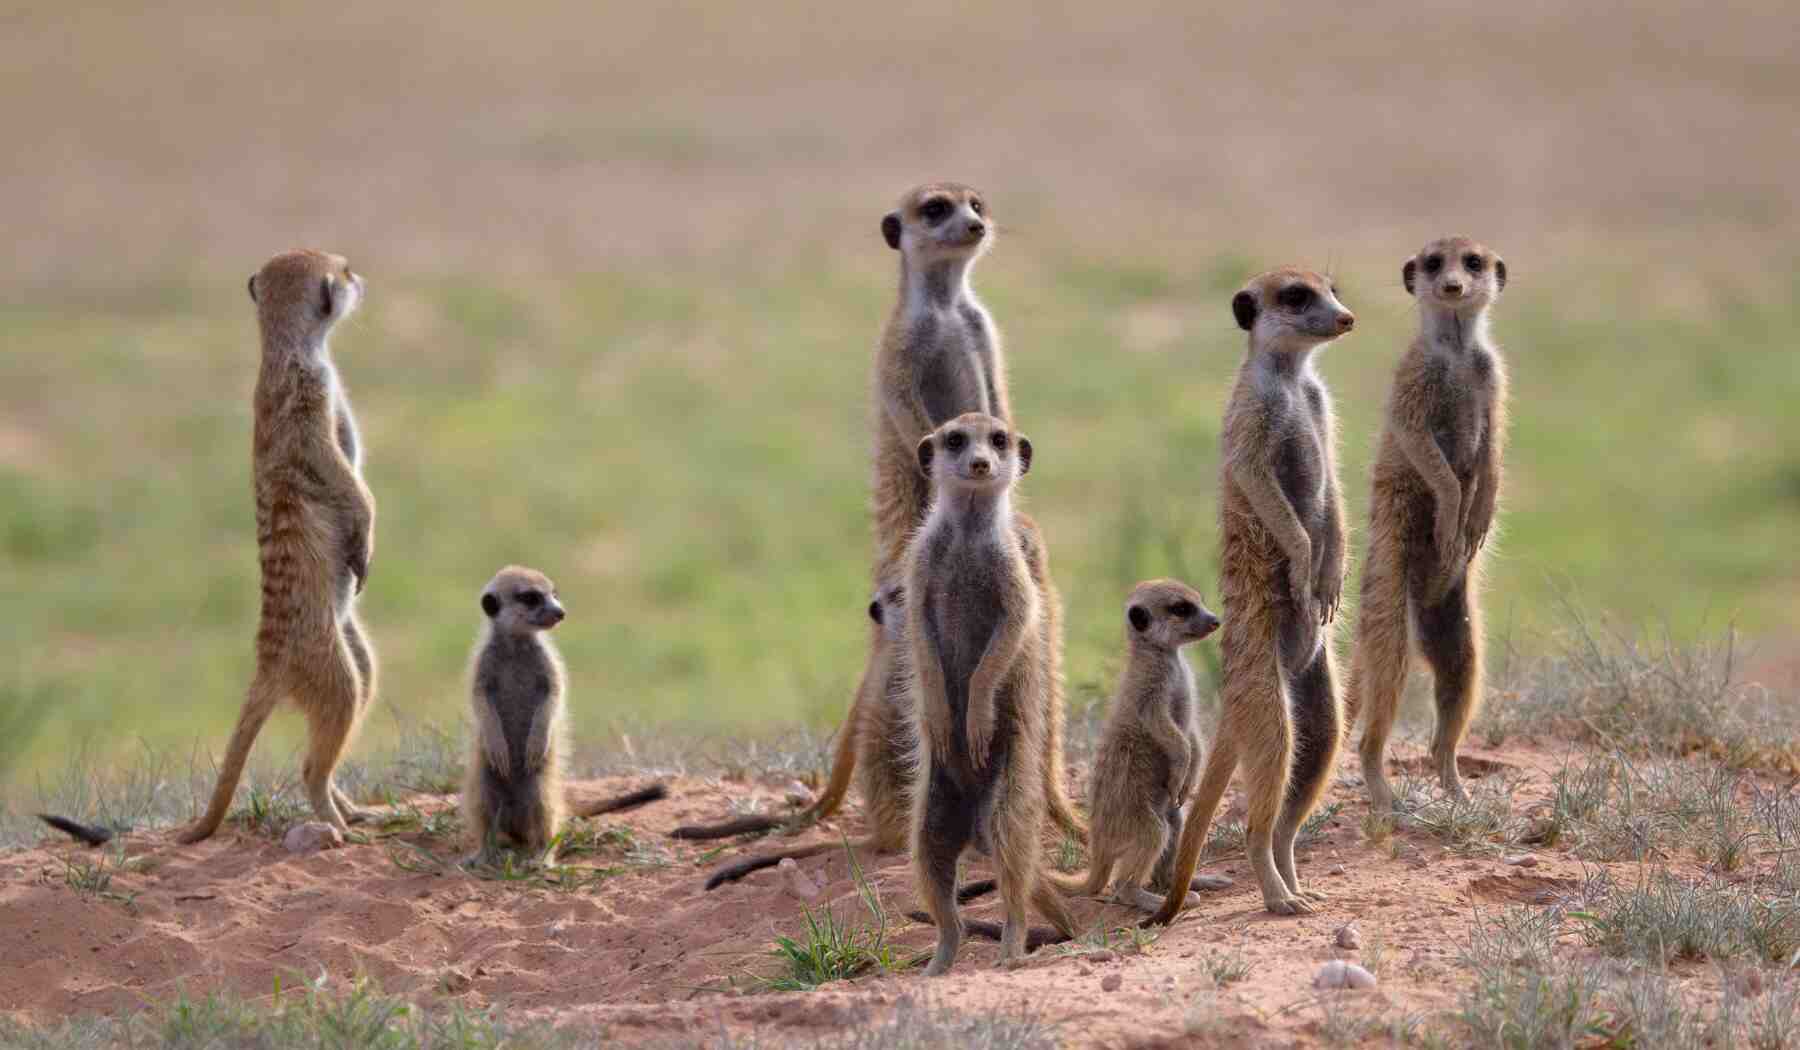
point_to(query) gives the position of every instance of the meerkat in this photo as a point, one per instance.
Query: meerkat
(1436, 481)
(939, 356)
(315, 523)
(1149, 755)
(884, 735)
(981, 686)
(513, 793)
(1281, 577)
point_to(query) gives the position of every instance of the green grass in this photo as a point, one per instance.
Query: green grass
(688, 461)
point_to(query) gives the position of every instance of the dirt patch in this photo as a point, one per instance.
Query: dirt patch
(1537, 890)
(1471, 767)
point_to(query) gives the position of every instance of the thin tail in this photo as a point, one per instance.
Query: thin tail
(1035, 936)
(1075, 885)
(738, 869)
(88, 833)
(975, 890)
(257, 707)
(740, 826)
(630, 800)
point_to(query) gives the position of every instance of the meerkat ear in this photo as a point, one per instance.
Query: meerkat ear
(1024, 455)
(252, 287)
(1139, 617)
(875, 611)
(1500, 272)
(1243, 307)
(490, 605)
(927, 448)
(890, 229)
(1407, 271)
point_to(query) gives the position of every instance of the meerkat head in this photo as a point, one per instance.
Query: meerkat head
(939, 220)
(302, 294)
(1454, 273)
(1291, 309)
(1167, 614)
(887, 609)
(976, 452)
(519, 600)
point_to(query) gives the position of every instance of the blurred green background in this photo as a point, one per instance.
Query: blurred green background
(625, 280)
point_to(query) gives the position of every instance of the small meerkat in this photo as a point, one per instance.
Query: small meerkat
(1436, 481)
(981, 684)
(1281, 576)
(315, 524)
(1149, 755)
(884, 769)
(513, 793)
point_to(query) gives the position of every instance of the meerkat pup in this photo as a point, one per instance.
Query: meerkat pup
(1149, 755)
(939, 357)
(1281, 575)
(1436, 482)
(315, 525)
(513, 793)
(981, 683)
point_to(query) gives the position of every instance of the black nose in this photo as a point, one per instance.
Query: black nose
(1453, 289)
(556, 615)
(1346, 322)
(979, 466)
(976, 229)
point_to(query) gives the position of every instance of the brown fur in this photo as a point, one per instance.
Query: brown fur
(1149, 756)
(315, 523)
(1435, 483)
(1281, 574)
(981, 689)
(513, 792)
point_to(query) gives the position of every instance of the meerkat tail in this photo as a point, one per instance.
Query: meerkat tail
(630, 800)
(1076, 885)
(263, 697)
(1035, 937)
(727, 829)
(90, 834)
(738, 869)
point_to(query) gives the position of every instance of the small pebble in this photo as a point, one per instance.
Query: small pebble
(1520, 860)
(798, 794)
(1348, 937)
(312, 837)
(1335, 869)
(796, 883)
(1103, 955)
(1340, 974)
(1111, 982)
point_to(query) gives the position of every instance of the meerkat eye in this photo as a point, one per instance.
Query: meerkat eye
(1295, 297)
(530, 599)
(1434, 263)
(1472, 263)
(935, 210)
(954, 441)
(1182, 610)
(999, 440)
(977, 207)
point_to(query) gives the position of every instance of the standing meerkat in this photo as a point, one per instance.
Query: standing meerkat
(513, 793)
(1281, 576)
(1149, 755)
(939, 357)
(981, 684)
(315, 524)
(1436, 481)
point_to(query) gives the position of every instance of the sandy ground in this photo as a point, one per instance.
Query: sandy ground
(647, 947)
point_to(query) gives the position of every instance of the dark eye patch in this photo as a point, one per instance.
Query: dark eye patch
(325, 298)
(999, 440)
(955, 440)
(1295, 297)
(1434, 263)
(977, 207)
(1182, 609)
(1472, 263)
(530, 599)
(936, 210)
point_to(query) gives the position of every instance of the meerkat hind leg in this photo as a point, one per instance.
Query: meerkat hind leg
(1448, 637)
(330, 699)
(1265, 781)
(945, 824)
(1316, 732)
(1165, 864)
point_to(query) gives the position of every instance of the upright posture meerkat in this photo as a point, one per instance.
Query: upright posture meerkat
(315, 524)
(1436, 480)
(939, 357)
(1282, 572)
(981, 683)
(513, 794)
(1149, 756)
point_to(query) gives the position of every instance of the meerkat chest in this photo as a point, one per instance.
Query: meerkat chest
(968, 600)
(953, 346)
(1301, 459)
(1462, 389)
